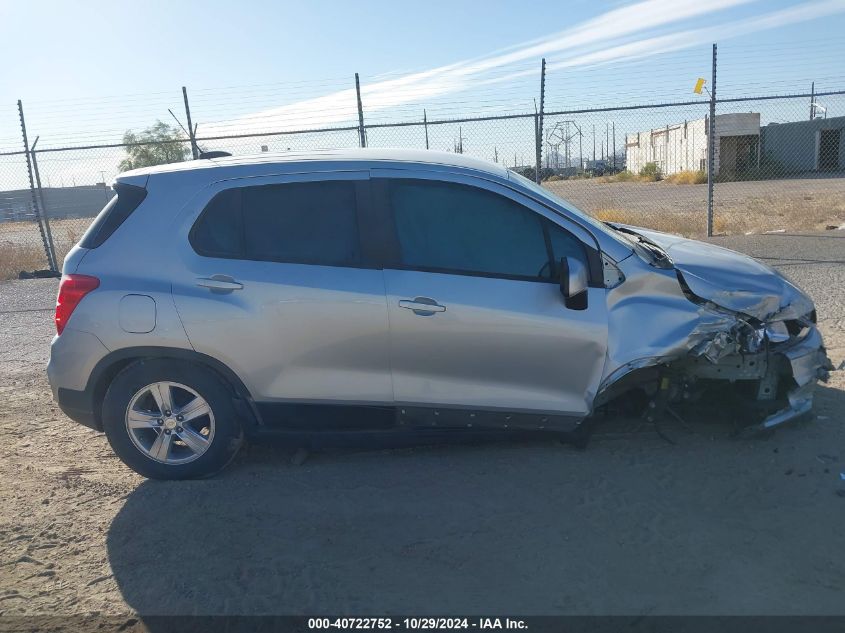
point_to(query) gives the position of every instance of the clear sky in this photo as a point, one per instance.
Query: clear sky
(69, 48)
(87, 71)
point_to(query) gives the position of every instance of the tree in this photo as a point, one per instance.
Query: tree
(156, 145)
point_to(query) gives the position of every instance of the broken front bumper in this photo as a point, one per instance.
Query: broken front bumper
(788, 371)
(809, 364)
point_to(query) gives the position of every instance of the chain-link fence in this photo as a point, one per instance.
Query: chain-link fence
(777, 163)
(787, 173)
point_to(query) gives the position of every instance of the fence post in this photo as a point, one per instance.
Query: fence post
(711, 149)
(538, 127)
(361, 132)
(35, 206)
(54, 266)
(425, 124)
(191, 132)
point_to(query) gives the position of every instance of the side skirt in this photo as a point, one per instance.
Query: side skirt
(313, 417)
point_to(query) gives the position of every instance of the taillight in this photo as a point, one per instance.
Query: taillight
(72, 289)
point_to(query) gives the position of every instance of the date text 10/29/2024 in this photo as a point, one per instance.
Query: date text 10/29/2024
(424, 624)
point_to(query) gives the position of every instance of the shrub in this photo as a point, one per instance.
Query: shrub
(688, 177)
(650, 172)
(622, 176)
(15, 258)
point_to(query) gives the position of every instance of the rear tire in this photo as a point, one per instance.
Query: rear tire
(151, 405)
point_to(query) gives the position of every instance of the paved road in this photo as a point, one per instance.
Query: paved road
(632, 525)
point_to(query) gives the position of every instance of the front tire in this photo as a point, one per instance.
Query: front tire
(170, 419)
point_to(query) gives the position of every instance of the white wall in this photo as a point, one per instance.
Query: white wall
(682, 146)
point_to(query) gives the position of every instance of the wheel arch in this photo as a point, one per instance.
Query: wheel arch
(114, 362)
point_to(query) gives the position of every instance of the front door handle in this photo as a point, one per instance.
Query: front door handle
(422, 306)
(219, 283)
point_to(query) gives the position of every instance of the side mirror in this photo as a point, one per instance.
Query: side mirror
(573, 282)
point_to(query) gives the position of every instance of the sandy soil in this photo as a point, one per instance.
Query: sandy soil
(632, 525)
(738, 207)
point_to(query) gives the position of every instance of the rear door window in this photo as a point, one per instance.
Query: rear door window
(310, 223)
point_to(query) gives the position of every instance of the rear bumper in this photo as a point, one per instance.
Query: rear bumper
(73, 357)
(79, 407)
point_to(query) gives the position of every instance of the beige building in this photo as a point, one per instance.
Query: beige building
(683, 146)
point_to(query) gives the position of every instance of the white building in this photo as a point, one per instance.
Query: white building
(683, 146)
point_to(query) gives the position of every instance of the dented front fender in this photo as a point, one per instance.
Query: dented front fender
(717, 306)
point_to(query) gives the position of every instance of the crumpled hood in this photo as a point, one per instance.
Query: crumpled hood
(732, 280)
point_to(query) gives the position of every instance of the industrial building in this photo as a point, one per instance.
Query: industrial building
(60, 202)
(683, 146)
(802, 146)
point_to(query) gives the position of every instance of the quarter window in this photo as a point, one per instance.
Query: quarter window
(313, 223)
(113, 214)
(219, 231)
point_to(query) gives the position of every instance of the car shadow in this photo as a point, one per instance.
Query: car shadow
(522, 527)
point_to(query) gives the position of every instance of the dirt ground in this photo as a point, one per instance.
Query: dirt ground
(633, 525)
(801, 204)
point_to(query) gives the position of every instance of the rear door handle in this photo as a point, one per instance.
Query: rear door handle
(422, 306)
(219, 283)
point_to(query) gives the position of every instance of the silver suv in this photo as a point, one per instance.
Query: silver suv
(367, 291)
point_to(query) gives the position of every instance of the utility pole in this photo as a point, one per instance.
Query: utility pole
(102, 177)
(361, 132)
(580, 149)
(191, 130)
(711, 149)
(594, 144)
(812, 101)
(567, 139)
(538, 144)
(425, 124)
(613, 123)
(495, 154)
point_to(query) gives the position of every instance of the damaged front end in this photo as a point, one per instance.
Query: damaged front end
(698, 316)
